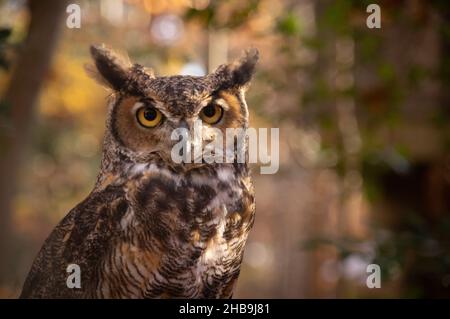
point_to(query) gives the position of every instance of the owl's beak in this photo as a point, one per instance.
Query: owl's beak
(184, 125)
(190, 137)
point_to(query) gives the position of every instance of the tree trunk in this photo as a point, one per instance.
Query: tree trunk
(46, 22)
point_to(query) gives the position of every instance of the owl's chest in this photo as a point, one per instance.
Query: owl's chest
(194, 231)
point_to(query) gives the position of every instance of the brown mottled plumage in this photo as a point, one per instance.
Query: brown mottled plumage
(152, 228)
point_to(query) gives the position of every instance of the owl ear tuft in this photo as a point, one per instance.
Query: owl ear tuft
(110, 69)
(238, 73)
(242, 69)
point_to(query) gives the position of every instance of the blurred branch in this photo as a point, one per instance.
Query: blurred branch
(20, 99)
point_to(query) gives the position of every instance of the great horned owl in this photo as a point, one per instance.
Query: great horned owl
(151, 227)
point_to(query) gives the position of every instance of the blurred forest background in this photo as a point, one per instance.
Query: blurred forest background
(363, 114)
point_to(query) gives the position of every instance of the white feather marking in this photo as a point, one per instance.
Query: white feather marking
(225, 174)
(138, 168)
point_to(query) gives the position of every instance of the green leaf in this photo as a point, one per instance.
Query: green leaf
(289, 24)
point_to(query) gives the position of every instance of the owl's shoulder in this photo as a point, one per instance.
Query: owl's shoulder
(81, 238)
(96, 219)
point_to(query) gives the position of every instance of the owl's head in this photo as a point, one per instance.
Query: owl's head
(145, 109)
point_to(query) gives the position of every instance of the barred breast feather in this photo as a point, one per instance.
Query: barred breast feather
(156, 234)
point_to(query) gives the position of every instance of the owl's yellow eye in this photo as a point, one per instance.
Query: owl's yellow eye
(211, 114)
(148, 116)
